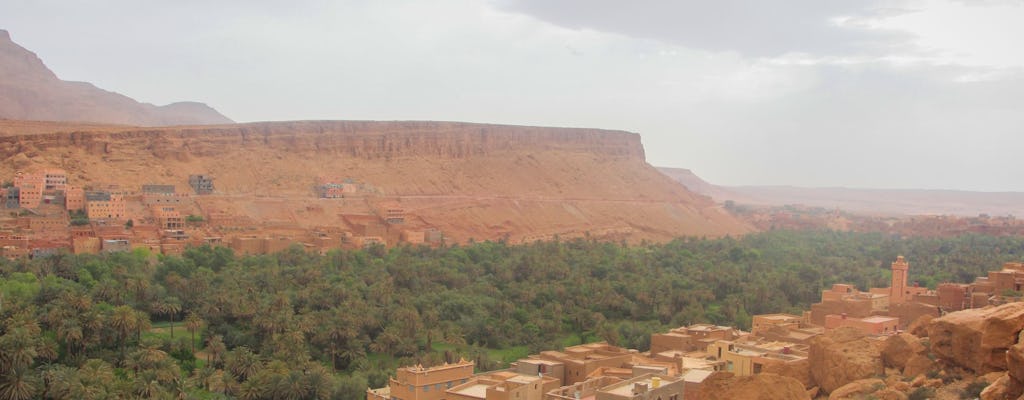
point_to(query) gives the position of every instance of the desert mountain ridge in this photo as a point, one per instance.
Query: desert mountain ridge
(470, 181)
(860, 200)
(31, 91)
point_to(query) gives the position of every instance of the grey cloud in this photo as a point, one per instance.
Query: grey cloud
(753, 28)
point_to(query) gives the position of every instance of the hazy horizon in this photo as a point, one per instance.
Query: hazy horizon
(923, 94)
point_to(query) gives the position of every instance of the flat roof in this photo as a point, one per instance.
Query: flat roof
(478, 390)
(625, 388)
(541, 361)
(777, 316)
(878, 319)
(697, 375)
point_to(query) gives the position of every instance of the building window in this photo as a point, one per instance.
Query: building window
(412, 389)
(450, 384)
(437, 386)
(426, 388)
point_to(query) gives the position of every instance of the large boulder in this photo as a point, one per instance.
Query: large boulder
(898, 349)
(919, 327)
(977, 339)
(1005, 388)
(857, 389)
(918, 365)
(799, 370)
(1015, 359)
(763, 386)
(842, 356)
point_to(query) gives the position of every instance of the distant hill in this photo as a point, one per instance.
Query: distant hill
(868, 201)
(472, 181)
(30, 91)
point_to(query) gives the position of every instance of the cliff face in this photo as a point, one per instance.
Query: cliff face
(361, 139)
(470, 180)
(30, 91)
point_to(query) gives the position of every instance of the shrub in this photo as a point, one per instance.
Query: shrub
(973, 390)
(921, 393)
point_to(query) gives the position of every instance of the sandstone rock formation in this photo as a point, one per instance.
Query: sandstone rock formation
(30, 91)
(919, 327)
(842, 356)
(917, 365)
(977, 339)
(480, 181)
(1005, 388)
(765, 386)
(1015, 359)
(898, 349)
(801, 371)
(857, 389)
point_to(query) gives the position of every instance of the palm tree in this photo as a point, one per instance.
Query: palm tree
(19, 384)
(215, 350)
(124, 320)
(193, 323)
(169, 307)
(243, 363)
(71, 333)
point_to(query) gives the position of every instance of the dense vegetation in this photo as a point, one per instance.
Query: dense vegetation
(297, 326)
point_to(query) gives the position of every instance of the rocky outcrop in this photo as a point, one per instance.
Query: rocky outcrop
(898, 349)
(917, 365)
(479, 181)
(368, 140)
(857, 389)
(30, 91)
(764, 386)
(842, 356)
(800, 370)
(919, 327)
(977, 339)
(1004, 388)
(1015, 359)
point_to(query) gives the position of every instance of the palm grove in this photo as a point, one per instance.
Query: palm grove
(300, 326)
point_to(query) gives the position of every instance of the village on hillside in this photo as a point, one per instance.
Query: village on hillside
(47, 213)
(681, 363)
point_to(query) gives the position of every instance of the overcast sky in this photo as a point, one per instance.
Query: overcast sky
(855, 93)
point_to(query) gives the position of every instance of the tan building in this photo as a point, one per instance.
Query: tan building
(167, 217)
(74, 199)
(873, 325)
(104, 205)
(765, 322)
(420, 383)
(646, 387)
(691, 338)
(581, 360)
(581, 390)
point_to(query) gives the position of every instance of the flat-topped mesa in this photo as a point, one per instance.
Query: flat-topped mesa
(358, 139)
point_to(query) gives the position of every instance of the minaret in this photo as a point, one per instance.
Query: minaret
(898, 288)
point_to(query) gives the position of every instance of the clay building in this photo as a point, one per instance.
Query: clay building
(74, 199)
(167, 217)
(104, 205)
(691, 338)
(392, 213)
(201, 184)
(581, 390)
(646, 387)
(503, 385)
(873, 325)
(581, 360)
(162, 194)
(11, 197)
(420, 383)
